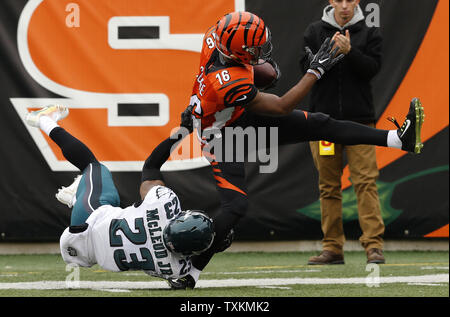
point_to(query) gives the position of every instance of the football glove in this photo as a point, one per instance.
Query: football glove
(226, 243)
(186, 118)
(277, 70)
(325, 58)
(184, 282)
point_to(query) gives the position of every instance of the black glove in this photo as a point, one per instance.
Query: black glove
(184, 282)
(277, 70)
(225, 243)
(325, 58)
(276, 67)
(186, 118)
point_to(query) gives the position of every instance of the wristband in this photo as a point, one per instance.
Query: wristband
(317, 74)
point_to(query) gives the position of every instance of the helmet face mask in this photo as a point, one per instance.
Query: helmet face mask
(243, 37)
(260, 54)
(190, 232)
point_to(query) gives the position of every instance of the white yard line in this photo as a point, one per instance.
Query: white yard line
(426, 284)
(121, 285)
(261, 272)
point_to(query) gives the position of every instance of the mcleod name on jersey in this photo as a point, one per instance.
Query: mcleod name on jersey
(221, 90)
(128, 239)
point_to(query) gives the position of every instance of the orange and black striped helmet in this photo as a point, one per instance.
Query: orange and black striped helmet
(243, 36)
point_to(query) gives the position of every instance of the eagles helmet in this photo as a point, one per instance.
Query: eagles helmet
(244, 37)
(190, 232)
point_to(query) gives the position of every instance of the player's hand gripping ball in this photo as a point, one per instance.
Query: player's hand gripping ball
(266, 74)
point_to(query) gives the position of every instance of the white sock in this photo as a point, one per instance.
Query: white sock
(393, 140)
(47, 124)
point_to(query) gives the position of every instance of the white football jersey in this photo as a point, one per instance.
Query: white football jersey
(128, 239)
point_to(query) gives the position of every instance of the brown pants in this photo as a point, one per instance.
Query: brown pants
(363, 173)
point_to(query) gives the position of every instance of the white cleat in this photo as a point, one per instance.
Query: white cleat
(55, 112)
(67, 195)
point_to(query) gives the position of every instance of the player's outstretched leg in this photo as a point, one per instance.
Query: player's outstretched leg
(410, 132)
(406, 137)
(95, 187)
(75, 151)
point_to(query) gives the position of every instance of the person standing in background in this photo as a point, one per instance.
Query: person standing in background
(345, 93)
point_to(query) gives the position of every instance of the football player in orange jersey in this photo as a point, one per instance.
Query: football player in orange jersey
(224, 95)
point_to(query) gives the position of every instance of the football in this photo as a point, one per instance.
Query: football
(264, 75)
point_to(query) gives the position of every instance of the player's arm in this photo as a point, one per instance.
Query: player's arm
(319, 63)
(274, 105)
(151, 172)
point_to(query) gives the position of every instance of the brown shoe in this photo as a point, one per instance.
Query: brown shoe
(375, 256)
(326, 257)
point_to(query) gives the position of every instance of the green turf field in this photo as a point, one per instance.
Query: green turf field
(254, 274)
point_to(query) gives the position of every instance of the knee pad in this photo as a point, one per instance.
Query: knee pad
(317, 126)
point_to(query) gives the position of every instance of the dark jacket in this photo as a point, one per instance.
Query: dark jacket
(345, 92)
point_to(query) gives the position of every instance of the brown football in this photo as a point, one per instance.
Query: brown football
(264, 74)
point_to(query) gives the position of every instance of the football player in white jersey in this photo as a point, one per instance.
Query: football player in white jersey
(153, 235)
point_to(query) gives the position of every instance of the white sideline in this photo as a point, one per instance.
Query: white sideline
(125, 285)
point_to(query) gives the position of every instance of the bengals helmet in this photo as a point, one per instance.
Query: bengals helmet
(244, 37)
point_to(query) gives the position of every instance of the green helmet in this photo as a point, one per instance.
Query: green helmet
(190, 232)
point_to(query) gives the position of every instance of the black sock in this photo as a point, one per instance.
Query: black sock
(73, 149)
(352, 133)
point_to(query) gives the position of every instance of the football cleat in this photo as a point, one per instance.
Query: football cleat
(55, 112)
(184, 282)
(67, 195)
(409, 132)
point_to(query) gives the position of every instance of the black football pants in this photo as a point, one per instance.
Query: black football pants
(299, 126)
